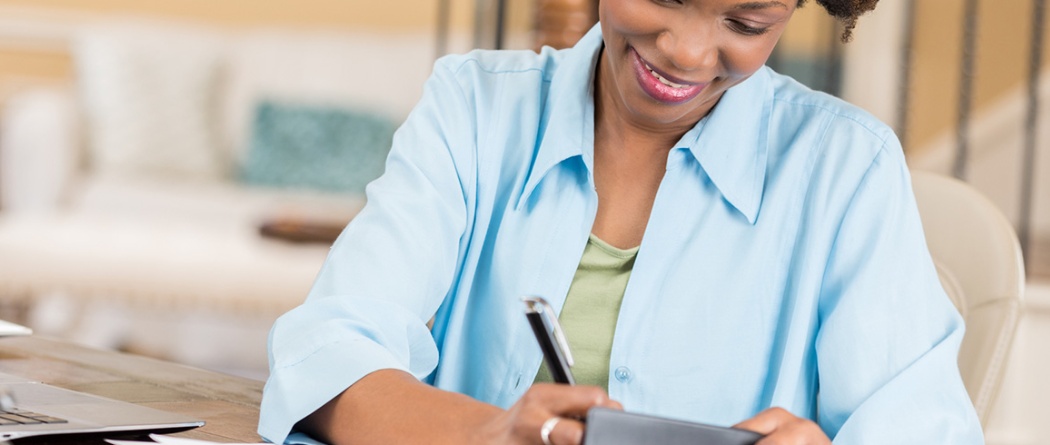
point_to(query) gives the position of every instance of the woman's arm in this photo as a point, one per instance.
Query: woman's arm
(387, 273)
(888, 340)
(390, 406)
(388, 401)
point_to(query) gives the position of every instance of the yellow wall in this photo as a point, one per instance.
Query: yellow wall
(27, 65)
(405, 14)
(808, 31)
(1001, 61)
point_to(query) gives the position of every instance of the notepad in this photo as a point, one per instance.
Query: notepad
(615, 427)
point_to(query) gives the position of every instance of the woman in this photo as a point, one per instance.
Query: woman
(750, 250)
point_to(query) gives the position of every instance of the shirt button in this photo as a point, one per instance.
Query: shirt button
(622, 374)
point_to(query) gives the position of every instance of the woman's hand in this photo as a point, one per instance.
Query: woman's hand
(783, 428)
(391, 406)
(523, 422)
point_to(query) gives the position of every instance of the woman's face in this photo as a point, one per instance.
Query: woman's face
(667, 62)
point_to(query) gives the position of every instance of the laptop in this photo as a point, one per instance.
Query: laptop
(39, 409)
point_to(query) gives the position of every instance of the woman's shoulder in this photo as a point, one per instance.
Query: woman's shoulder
(496, 63)
(795, 101)
(495, 80)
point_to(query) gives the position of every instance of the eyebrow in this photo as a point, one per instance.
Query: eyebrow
(750, 6)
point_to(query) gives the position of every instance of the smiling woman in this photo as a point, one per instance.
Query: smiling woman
(722, 245)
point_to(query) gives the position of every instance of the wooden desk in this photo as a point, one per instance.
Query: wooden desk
(229, 405)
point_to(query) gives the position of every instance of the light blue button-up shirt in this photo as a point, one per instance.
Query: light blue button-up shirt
(783, 263)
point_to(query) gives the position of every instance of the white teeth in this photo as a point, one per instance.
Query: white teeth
(662, 80)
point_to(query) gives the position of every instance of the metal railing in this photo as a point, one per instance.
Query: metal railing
(1035, 65)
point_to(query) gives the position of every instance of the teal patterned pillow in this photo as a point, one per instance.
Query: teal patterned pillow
(316, 147)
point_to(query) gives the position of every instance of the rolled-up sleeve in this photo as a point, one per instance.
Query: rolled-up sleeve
(889, 336)
(387, 273)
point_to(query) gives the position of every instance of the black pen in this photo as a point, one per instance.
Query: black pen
(552, 340)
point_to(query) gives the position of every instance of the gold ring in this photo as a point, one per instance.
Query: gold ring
(547, 428)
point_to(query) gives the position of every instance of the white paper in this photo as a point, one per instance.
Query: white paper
(8, 328)
(157, 438)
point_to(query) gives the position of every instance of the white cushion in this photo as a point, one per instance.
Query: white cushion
(148, 90)
(376, 72)
(37, 150)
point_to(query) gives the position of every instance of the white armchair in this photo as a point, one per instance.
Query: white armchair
(979, 262)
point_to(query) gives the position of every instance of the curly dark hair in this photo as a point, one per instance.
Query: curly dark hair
(847, 11)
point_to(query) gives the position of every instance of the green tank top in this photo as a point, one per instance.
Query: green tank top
(591, 307)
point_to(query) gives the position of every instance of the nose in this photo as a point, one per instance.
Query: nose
(689, 48)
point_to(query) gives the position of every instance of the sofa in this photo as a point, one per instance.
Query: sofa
(188, 183)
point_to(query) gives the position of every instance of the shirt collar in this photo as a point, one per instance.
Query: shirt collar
(567, 124)
(730, 143)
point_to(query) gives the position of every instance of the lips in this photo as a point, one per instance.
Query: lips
(661, 86)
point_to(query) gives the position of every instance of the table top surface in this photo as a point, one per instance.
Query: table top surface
(228, 404)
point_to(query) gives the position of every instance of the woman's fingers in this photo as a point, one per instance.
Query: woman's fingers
(766, 421)
(567, 432)
(568, 401)
(569, 404)
(780, 427)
